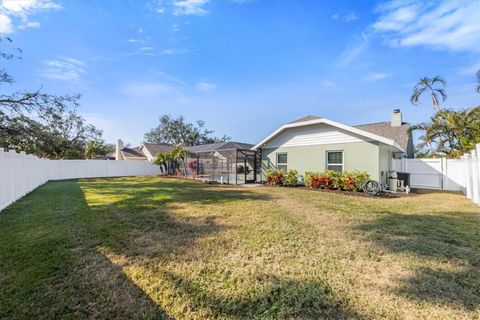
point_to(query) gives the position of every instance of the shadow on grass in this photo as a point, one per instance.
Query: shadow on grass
(55, 263)
(442, 238)
(50, 267)
(278, 299)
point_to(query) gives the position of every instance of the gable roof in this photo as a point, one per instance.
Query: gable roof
(306, 118)
(155, 148)
(133, 153)
(400, 134)
(229, 145)
(317, 120)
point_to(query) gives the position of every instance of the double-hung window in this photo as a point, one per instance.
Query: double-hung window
(335, 160)
(282, 161)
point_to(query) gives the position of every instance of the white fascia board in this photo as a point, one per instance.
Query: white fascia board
(333, 124)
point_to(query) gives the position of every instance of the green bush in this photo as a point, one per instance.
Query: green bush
(291, 179)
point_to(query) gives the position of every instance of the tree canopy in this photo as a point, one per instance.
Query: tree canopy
(177, 131)
(40, 123)
(449, 132)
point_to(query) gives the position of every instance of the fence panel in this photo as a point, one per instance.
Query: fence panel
(445, 174)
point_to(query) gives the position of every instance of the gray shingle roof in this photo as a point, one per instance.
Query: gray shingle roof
(155, 148)
(133, 153)
(400, 134)
(229, 145)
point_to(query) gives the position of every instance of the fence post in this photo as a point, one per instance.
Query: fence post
(468, 176)
(475, 180)
(444, 173)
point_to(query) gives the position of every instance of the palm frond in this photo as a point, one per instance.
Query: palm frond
(442, 93)
(439, 79)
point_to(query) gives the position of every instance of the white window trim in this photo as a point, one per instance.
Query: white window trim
(282, 163)
(335, 164)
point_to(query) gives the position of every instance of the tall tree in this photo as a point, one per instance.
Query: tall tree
(26, 100)
(55, 132)
(40, 123)
(177, 131)
(435, 87)
(450, 132)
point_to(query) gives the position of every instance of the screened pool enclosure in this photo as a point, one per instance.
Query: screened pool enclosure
(225, 162)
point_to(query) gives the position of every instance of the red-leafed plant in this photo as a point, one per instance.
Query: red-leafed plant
(274, 177)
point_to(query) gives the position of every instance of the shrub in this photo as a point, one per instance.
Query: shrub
(329, 179)
(274, 177)
(291, 179)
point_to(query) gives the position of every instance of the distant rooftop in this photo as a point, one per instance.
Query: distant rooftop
(229, 145)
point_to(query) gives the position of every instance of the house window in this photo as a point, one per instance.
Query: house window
(335, 160)
(282, 161)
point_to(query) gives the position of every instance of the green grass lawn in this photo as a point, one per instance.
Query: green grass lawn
(152, 248)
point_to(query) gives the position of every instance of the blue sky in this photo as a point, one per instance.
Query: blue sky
(244, 67)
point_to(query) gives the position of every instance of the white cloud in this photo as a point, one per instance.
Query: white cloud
(349, 17)
(189, 7)
(144, 49)
(150, 89)
(328, 83)
(6, 26)
(469, 70)
(180, 7)
(375, 76)
(451, 25)
(353, 51)
(30, 24)
(206, 87)
(63, 69)
(242, 1)
(172, 51)
(22, 10)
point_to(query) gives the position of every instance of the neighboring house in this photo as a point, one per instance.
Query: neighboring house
(316, 144)
(147, 151)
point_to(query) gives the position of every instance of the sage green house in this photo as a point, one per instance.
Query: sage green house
(316, 144)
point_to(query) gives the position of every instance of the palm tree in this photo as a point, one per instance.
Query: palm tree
(428, 85)
(162, 161)
(451, 132)
(95, 148)
(478, 81)
(180, 153)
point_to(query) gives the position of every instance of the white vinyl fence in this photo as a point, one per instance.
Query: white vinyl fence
(21, 173)
(445, 174)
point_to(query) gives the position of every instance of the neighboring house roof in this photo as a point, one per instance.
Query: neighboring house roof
(133, 153)
(229, 145)
(400, 134)
(311, 120)
(155, 148)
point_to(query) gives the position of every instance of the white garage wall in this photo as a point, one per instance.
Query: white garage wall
(21, 173)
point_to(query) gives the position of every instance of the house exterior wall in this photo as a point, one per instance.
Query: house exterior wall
(385, 154)
(360, 155)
